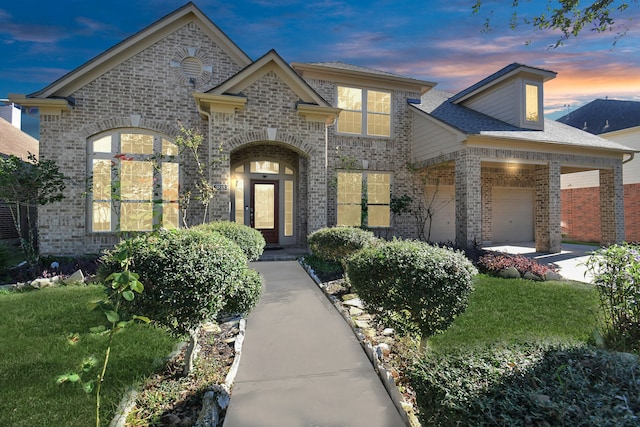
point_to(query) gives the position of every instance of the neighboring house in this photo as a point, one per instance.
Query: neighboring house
(617, 121)
(12, 142)
(294, 148)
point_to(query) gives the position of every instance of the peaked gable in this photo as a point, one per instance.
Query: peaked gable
(136, 43)
(228, 95)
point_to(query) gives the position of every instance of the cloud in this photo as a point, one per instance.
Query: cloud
(30, 32)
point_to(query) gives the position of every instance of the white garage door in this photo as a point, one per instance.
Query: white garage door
(513, 215)
(443, 226)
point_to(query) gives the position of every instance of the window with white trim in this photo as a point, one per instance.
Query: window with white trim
(365, 112)
(134, 182)
(364, 199)
(532, 102)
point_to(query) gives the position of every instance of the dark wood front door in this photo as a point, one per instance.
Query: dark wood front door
(264, 209)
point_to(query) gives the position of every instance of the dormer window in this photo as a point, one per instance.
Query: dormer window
(532, 104)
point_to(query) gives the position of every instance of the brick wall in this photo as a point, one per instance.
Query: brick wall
(144, 86)
(581, 213)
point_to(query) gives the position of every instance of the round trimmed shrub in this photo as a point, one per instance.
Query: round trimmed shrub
(424, 285)
(249, 239)
(243, 297)
(186, 274)
(339, 243)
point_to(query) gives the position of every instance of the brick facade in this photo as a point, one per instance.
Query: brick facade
(581, 215)
(148, 91)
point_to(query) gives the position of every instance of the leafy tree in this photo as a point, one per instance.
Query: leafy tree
(570, 17)
(24, 185)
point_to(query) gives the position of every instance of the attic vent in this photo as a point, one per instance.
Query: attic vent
(191, 67)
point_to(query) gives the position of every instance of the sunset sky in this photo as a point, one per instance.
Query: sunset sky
(441, 41)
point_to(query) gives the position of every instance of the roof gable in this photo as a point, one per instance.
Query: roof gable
(136, 43)
(510, 71)
(271, 61)
(604, 115)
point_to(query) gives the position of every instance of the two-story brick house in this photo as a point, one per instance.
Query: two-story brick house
(292, 148)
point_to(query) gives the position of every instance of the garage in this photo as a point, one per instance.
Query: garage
(443, 227)
(513, 215)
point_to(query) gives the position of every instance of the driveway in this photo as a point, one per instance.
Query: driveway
(569, 263)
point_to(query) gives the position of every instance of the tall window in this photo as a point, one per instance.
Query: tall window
(364, 111)
(364, 199)
(532, 103)
(134, 182)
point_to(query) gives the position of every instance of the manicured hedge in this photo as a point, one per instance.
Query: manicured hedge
(339, 243)
(187, 275)
(425, 285)
(528, 385)
(249, 239)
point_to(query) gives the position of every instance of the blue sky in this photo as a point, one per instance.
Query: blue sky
(441, 41)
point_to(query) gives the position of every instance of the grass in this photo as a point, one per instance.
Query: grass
(518, 310)
(35, 327)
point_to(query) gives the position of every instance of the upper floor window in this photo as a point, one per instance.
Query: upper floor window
(364, 111)
(532, 102)
(134, 182)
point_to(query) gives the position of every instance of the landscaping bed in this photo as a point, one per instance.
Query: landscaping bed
(523, 353)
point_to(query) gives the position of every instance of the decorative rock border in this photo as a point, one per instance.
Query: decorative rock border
(375, 354)
(214, 402)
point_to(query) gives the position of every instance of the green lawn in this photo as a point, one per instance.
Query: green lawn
(517, 310)
(35, 350)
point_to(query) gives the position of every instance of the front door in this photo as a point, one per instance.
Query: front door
(264, 209)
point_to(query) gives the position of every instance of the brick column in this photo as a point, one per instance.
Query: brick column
(468, 199)
(316, 192)
(611, 205)
(547, 210)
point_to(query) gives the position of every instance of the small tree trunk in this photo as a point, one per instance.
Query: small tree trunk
(423, 345)
(191, 352)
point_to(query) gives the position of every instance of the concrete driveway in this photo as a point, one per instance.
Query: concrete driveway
(569, 263)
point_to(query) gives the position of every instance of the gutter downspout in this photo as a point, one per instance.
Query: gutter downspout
(631, 156)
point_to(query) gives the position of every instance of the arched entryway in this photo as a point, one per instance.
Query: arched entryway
(268, 192)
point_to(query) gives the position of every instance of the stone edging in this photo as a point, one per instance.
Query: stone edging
(404, 409)
(214, 402)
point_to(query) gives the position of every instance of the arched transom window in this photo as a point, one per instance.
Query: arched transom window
(134, 182)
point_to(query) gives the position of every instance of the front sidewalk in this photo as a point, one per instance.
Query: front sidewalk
(301, 363)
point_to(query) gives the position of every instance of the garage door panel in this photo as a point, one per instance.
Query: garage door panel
(443, 226)
(513, 215)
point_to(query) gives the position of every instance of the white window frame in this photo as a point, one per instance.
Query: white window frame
(532, 124)
(364, 111)
(116, 157)
(363, 189)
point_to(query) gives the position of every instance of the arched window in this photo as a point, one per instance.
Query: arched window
(134, 182)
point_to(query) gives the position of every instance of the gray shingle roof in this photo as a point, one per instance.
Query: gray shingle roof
(506, 70)
(604, 115)
(350, 67)
(438, 104)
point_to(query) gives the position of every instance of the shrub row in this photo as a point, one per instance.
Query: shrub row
(249, 239)
(189, 276)
(337, 244)
(493, 263)
(411, 285)
(524, 385)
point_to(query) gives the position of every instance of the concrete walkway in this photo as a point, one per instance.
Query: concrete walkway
(301, 364)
